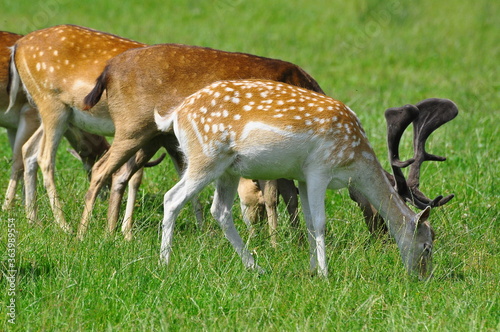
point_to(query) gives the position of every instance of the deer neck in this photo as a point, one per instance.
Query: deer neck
(388, 203)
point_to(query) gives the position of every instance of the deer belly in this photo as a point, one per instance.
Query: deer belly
(268, 164)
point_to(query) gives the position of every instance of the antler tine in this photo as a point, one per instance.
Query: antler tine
(398, 119)
(432, 113)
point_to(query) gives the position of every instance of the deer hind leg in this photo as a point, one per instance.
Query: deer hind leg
(30, 159)
(120, 151)
(28, 124)
(172, 146)
(121, 178)
(270, 192)
(225, 192)
(53, 131)
(133, 189)
(191, 184)
(15, 171)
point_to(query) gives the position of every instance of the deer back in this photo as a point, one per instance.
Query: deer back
(62, 62)
(281, 124)
(165, 74)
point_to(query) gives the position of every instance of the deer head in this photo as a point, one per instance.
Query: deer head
(269, 130)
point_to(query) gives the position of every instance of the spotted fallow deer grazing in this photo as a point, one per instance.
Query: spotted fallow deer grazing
(269, 130)
(58, 66)
(22, 120)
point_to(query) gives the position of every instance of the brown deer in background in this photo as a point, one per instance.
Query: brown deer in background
(259, 200)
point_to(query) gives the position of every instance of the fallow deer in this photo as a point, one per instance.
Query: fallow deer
(22, 121)
(57, 67)
(269, 130)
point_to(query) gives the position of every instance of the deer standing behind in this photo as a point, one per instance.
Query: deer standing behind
(57, 67)
(22, 121)
(269, 130)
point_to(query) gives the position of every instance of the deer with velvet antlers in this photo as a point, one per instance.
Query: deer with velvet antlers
(268, 130)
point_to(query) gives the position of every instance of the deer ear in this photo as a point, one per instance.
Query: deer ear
(423, 215)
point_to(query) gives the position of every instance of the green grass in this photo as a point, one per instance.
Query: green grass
(370, 54)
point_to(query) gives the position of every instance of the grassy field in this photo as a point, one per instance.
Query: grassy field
(371, 55)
